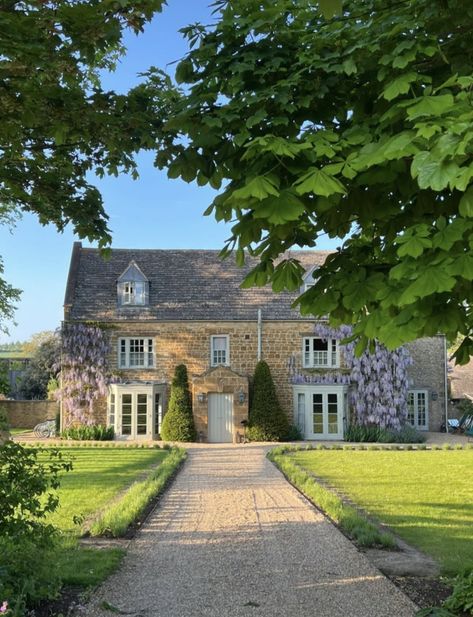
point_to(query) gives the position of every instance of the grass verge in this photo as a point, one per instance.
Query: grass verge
(350, 521)
(116, 519)
(424, 496)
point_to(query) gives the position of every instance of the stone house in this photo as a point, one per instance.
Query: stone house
(167, 307)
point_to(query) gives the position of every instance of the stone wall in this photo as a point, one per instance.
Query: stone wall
(428, 373)
(27, 414)
(189, 343)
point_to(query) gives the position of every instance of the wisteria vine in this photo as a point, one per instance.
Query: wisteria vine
(379, 380)
(84, 373)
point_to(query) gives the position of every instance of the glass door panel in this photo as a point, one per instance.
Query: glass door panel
(332, 409)
(318, 414)
(157, 413)
(141, 414)
(126, 414)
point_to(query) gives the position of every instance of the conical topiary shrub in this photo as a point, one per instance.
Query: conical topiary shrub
(178, 423)
(267, 421)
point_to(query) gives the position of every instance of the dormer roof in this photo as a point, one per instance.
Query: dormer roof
(132, 274)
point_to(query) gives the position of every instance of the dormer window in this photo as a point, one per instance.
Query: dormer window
(133, 287)
(309, 281)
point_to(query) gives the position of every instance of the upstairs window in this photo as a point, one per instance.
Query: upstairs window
(133, 293)
(220, 350)
(319, 353)
(135, 353)
(308, 281)
(132, 287)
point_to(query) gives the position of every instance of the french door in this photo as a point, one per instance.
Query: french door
(418, 409)
(136, 410)
(320, 411)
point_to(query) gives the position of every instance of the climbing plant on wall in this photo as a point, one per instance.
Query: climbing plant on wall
(378, 377)
(84, 373)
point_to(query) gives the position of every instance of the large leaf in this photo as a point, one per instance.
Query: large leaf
(259, 188)
(431, 106)
(318, 182)
(400, 85)
(466, 203)
(279, 210)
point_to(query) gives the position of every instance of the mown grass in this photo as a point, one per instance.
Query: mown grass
(356, 526)
(424, 496)
(99, 475)
(116, 519)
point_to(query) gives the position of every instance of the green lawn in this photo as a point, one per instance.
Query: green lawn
(425, 496)
(98, 475)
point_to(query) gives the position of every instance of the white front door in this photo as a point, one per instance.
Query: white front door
(220, 418)
(320, 411)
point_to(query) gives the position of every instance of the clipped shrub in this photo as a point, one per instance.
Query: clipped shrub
(4, 426)
(94, 432)
(267, 420)
(178, 423)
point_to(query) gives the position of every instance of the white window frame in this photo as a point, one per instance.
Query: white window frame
(129, 295)
(415, 392)
(303, 410)
(154, 408)
(125, 355)
(309, 359)
(213, 362)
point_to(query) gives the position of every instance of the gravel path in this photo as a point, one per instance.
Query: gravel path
(233, 538)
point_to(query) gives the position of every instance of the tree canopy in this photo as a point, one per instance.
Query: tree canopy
(357, 126)
(58, 125)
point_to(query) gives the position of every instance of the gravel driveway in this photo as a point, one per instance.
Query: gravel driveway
(232, 537)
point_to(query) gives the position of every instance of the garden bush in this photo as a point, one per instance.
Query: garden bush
(94, 432)
(178, 423)
(28, 572)
(27, 543)
(267, 420)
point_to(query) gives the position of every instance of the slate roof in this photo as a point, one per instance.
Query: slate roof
(184, 285)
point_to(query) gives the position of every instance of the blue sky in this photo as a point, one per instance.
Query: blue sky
(151, 212)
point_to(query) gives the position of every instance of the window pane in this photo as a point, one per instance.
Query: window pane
(319, 344)
(219, 350)
(157, 412)
(334, 352)
(332, 413)
(421, 409)
(307, 361)
(317, 413)
(126, 414)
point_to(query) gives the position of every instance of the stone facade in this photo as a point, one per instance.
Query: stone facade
(192, 295)
(428, 373)
(27, 414)
(281, 346)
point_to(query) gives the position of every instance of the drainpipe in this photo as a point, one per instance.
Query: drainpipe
(260, 333)
(446, 382)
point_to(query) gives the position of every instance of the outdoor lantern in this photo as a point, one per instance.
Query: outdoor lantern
(241, 397)
(201, 397)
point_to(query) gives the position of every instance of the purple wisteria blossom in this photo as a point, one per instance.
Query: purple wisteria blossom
(379, 380)
(84, 373)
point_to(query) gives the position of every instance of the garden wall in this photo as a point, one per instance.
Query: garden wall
(27, 414)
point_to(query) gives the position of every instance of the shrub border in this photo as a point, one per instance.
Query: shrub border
(356, 526)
